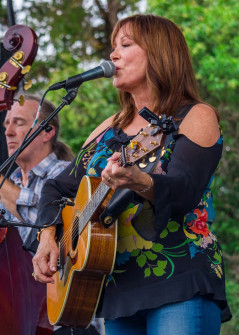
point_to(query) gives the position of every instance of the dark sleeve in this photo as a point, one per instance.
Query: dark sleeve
(181, 189)
(64, 185)
(53, 189)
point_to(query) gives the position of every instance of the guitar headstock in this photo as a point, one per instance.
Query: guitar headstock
(22, 42)
(144, 144)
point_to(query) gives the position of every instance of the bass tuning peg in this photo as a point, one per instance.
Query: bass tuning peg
(21, 100)
(27, 84)
(16, 59)
(3, 82)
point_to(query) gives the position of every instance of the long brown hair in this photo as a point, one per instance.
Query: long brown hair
(169, 71)
(62, 151)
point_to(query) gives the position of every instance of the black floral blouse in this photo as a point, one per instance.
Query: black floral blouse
(166, 252)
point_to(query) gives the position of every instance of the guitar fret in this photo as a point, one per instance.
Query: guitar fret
(75, 221)
(97, 198)
(132, 155)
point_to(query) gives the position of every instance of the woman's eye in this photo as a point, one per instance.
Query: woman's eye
(126, 45)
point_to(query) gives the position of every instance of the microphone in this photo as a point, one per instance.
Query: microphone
(106, 69)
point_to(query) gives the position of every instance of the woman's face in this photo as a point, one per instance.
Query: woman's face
(130, 61)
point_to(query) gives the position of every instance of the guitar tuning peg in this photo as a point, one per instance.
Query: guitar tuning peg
(16, 59)
(25, 69)
(143, 164)
(143, 133)
(10, 88)
(3, 77)
(152, 158)
(3, 82)
(21, 100)
(133, 145)
(27, 84)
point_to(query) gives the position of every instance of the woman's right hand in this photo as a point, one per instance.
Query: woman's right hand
(45, 260)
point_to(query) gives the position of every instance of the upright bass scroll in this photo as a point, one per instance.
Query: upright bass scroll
(22, 42)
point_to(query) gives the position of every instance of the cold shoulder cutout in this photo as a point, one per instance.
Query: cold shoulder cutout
(167, 251)
(201, 126)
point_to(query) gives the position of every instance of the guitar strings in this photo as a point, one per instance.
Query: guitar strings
(75, 229)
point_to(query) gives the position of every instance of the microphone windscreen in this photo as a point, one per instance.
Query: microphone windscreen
(108, 68)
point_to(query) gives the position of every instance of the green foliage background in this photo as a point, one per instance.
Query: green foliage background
(74, 36)
(211, 30)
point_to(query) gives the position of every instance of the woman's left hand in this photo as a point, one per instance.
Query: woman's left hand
(118, 177)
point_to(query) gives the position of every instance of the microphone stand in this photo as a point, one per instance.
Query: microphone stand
(62, 203)
(44, 125)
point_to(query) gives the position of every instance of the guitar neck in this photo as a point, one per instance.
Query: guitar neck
(95, 201)
(143, 144)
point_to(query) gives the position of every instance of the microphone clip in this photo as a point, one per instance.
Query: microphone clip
(71, 94)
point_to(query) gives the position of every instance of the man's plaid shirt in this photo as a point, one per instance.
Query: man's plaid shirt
(28, 200)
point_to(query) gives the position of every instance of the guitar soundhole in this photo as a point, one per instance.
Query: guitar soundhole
(75, 232)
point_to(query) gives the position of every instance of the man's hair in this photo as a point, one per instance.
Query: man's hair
(62, 151)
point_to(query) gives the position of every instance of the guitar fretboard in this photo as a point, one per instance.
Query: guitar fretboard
(142, 145)
(97, 198)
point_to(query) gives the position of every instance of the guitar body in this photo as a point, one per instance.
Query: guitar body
(87, 249)
(85, 258)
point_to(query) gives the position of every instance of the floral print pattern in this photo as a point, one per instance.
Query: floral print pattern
(157, 259)
(201, 238)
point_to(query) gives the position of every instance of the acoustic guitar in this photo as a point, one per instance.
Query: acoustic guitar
(87, 249)
(21, 42)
